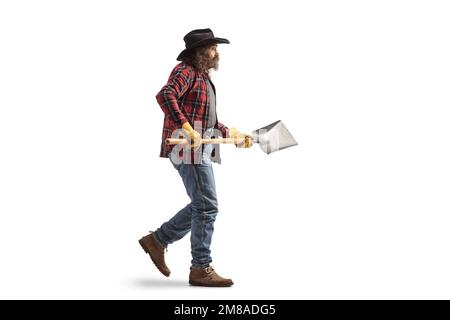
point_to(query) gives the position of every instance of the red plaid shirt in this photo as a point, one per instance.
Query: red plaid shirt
(185, 99)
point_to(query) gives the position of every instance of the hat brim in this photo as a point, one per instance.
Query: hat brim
(200, 44)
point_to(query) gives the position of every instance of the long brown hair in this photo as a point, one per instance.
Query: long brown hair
(198, 59)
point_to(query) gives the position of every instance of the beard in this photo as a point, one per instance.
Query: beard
(203, 62)
(214, 63)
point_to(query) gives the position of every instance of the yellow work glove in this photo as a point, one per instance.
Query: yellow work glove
(246, 139)
(194, 137)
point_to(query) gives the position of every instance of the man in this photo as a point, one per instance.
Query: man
(188, 101)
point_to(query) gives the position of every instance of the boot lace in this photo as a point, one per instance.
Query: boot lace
(210, 272)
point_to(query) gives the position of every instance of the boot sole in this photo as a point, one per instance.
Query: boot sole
(200, 284)
(144, 247)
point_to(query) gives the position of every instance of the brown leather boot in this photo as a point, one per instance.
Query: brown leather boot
(207, 277)
(156, 252)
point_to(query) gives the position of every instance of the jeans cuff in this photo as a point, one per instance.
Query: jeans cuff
(158, 238)
(200, 266)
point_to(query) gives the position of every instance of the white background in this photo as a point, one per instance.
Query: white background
(358, 210)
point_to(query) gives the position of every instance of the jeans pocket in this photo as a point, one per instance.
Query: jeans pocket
(206, 155)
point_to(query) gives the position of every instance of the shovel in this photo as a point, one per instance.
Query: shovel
(270, 138)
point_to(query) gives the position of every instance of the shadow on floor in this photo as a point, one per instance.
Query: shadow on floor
(160, 283)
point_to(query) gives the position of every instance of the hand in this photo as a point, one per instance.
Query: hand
(194, 137)
(245, 140)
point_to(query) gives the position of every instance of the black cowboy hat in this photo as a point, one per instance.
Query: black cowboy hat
(197, 38)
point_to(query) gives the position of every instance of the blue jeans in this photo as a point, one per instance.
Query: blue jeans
(199, 215)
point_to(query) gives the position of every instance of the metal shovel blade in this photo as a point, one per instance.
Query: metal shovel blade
(273, 137)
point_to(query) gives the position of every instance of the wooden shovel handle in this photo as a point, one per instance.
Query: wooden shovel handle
(203, 141)
(176, 141)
